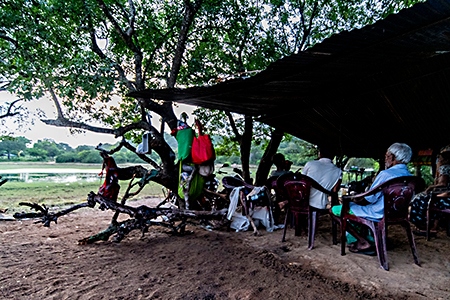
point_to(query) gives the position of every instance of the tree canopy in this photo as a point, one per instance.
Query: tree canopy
(86, 55)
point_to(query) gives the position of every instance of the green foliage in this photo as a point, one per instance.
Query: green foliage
(89, 54)
(13, 145)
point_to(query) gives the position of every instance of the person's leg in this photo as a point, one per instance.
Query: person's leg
(418, 212)
(355, 239)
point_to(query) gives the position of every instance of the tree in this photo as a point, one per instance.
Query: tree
(13, 145)
(87, 54)
(290, 27)
(48, 146)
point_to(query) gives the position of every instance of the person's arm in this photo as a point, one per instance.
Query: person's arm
(379, 179)
(337, 186)
(441, 182)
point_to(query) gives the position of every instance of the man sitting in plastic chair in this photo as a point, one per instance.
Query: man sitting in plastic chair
(396, 158)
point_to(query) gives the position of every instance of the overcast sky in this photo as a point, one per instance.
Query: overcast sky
(39, 130)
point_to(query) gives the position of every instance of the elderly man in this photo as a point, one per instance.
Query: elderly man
(372, 207)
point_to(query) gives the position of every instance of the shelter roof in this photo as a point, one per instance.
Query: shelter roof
(358, 91)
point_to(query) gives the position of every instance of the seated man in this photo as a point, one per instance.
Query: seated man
(327, 174)
(372, 207)
(281, 164)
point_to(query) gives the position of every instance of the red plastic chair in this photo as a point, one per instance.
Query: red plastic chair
(271, 184)
(296, 189)
(433, 207)
(398, 193)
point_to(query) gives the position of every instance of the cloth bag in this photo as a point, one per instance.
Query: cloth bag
(202, 147)
(184, 138)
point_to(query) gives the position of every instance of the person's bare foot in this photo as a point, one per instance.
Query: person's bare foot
(359, 246)
(444, 194)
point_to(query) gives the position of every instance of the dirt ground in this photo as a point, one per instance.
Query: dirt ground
(48, 263)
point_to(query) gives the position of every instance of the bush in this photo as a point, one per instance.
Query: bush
(90, 157)
(70, 157)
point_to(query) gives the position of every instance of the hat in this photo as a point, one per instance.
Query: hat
(445, 149)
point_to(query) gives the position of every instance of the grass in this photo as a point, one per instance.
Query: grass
(58, 194)
(54, 194)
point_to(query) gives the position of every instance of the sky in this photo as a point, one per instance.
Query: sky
(40, 130)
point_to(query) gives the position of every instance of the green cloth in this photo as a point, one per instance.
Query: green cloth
(184, 138)
(336, 210)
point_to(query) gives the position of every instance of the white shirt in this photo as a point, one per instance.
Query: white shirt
(326, 174)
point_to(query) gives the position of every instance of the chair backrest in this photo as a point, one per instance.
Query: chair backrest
(297, 193)
(296, 188)
(398, 193)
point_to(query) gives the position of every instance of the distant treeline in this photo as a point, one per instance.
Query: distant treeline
(21, 149)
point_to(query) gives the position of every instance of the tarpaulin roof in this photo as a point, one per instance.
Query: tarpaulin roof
(359, 91)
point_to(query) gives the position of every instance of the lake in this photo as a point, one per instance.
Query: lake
(59, 175)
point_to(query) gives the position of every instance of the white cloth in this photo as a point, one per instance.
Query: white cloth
(234, 200)
(260, 215)
(326, 174)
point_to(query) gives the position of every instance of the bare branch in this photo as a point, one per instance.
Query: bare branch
(233, 125)
(96, 49)
(125, 37)
(2, 182)
(9, 111)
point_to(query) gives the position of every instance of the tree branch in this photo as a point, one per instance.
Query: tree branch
(233, 126)
(190, 11)
(9, 112)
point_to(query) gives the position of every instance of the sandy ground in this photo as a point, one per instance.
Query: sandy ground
(48, 263)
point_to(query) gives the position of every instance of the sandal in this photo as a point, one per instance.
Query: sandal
(369, 251)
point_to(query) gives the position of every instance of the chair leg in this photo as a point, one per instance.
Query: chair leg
(428, 223)
(297, 224)
(283, 239)
(312, 222)
(412, 243)
(343, 237)
(379, 231)
(334, 230)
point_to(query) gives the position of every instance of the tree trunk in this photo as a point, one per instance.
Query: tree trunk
(246, 144)
(266, 161)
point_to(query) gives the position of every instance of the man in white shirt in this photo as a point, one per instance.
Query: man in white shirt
(326, 174)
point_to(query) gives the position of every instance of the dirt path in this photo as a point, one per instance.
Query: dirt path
(47, 263)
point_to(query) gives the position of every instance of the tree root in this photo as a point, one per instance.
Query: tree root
(142, 217)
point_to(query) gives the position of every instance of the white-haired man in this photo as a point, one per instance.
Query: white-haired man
(397, 157)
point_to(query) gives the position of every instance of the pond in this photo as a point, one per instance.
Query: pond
(58, 175)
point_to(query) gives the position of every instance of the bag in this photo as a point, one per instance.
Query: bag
(196, 184)
(202, 147)
(184, 138)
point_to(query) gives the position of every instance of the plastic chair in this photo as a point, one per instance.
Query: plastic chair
(398, 193)
(296, 189)
(271, 184)
(433, 207)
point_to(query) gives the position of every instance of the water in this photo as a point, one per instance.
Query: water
(50, 175)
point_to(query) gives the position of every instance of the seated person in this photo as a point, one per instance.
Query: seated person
(372, 207)
(419, 205)
(280, 163)
(327, 174)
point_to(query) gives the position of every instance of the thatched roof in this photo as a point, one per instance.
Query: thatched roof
(359, 91)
